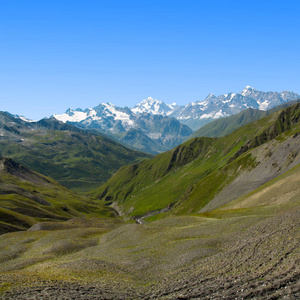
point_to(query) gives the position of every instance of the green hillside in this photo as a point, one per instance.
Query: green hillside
(185, 179)
(77, 159)
(27, 198)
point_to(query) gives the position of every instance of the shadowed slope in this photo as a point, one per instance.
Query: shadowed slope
(27, 198)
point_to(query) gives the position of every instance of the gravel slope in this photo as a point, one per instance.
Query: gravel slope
(254, 256)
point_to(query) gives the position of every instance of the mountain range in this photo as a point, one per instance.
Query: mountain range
(154, 126)
(148, 132)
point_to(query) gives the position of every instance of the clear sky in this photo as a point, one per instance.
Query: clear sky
(56, 54)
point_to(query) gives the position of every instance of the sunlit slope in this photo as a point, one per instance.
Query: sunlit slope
(284, 191)
(188, 177)
(27, 198)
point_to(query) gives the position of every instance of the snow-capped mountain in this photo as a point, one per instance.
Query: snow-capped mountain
(143, 120)
(268, 100)
(21, 118)
(154, 107)
(199, 113)
(105, 116)
(150, 132)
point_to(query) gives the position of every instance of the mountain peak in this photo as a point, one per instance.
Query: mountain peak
(210, 97)
(21, 118)
(151, 100)
(152, 106)
(247, 90)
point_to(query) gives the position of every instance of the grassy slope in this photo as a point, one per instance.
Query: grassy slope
(192, 173)
(224, 126)
(27, 198)
(250, 249)
(79, 160)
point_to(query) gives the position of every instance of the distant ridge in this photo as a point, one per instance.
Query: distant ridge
(224, 126)
(150, 120)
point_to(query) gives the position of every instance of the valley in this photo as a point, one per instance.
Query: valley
(149, 150)
(212, 218)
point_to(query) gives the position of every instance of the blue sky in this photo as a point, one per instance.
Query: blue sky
(58, 54)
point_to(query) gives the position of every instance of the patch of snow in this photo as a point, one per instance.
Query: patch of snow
(213, 115)
(203, 104)
(76, 116)
(172, 106)
(183, 117)
(231, 97)
(118, 115)
(264, 105)
(219, 114)
(206, 116)
(25, 119)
